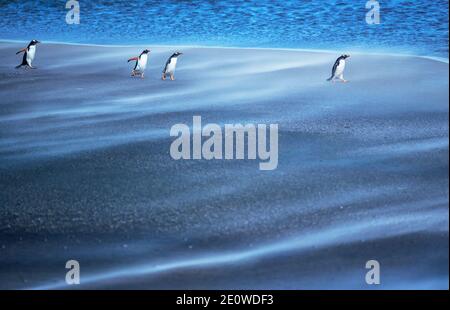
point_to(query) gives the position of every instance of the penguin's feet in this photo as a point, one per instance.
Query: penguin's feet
(163, 77)
(172, 78)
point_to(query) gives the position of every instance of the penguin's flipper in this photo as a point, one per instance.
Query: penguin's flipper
(333, 71)
(21, 51)
(134, 58)
(166, 65)
(24, 61)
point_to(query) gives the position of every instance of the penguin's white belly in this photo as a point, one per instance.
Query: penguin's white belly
(171, 66)
(340, 68)
(30, 54)
(142, 63)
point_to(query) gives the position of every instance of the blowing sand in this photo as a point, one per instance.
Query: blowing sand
(86, 172)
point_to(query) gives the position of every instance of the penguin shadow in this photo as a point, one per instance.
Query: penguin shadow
(137, 74)
(338, 82)
(26, 73)
(25, 68)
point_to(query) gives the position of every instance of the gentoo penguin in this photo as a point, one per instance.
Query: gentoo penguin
(338, 69)
(141, 63)
(171, 65)
(29, 54)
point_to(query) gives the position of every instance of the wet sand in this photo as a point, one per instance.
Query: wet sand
(86, 172)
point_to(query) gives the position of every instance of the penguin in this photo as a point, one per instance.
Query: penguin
(141, 63)
(338, 69)
(170, 66)
(29, 54)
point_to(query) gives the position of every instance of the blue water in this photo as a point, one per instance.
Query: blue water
(416, 27)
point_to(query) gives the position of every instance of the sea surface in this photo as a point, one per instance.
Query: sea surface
(407, 27)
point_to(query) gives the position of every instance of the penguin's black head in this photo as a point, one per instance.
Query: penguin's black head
(34, 42)
(345, 56)
(145, 52)
(177, 54)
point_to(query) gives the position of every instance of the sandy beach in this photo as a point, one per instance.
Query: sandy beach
(86, 172)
